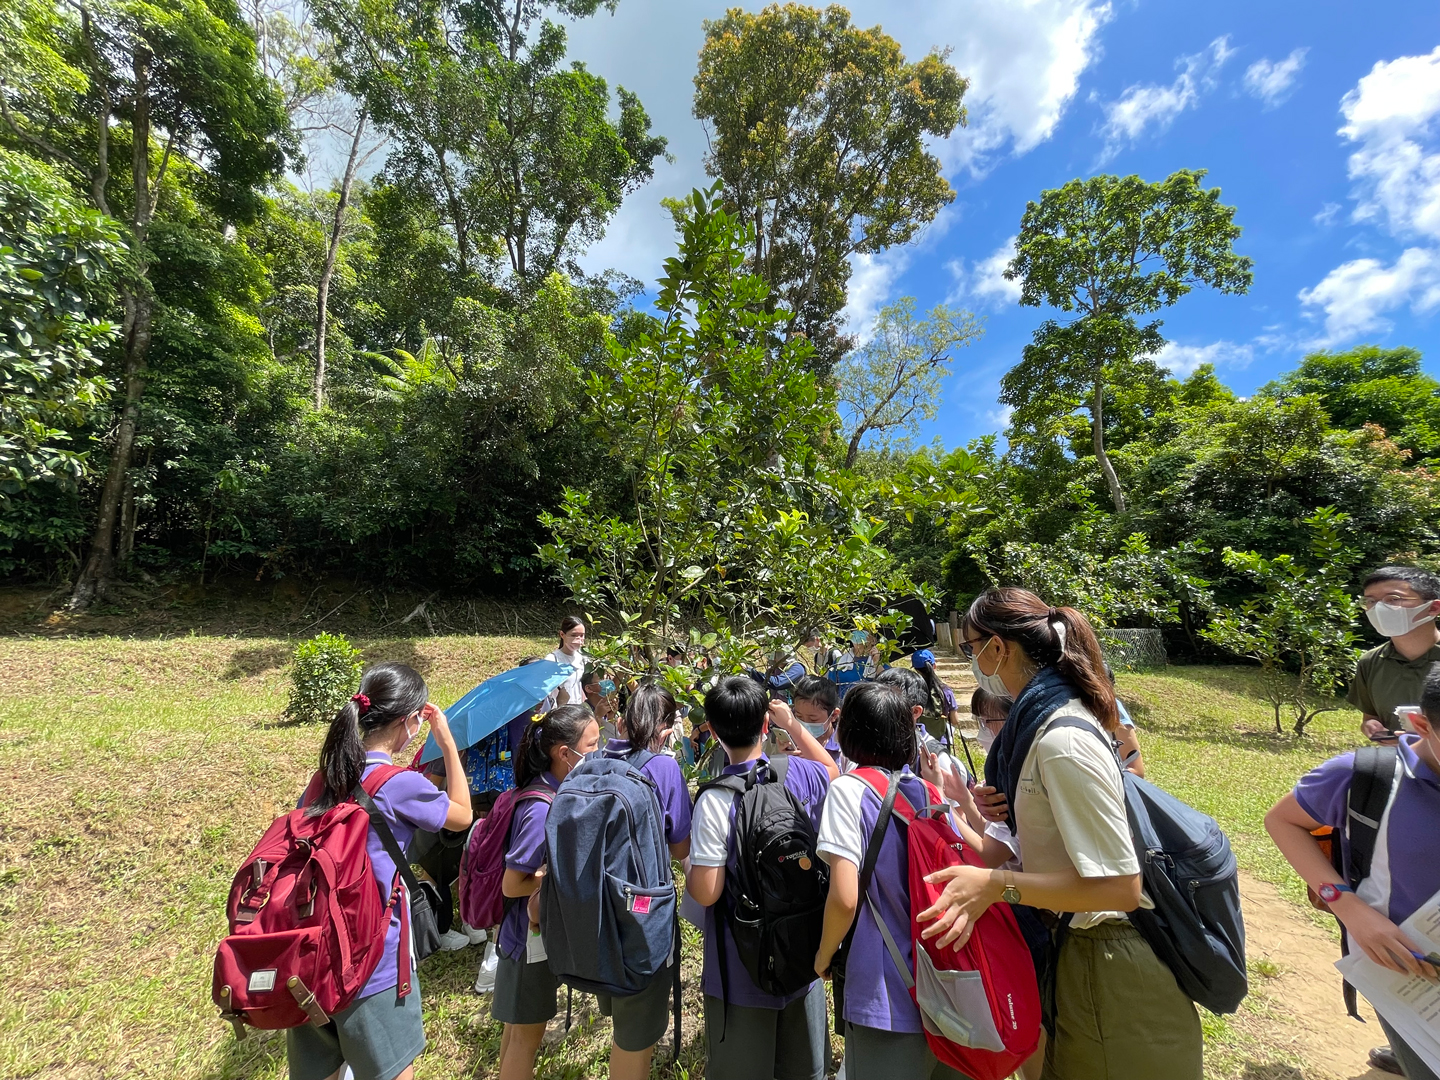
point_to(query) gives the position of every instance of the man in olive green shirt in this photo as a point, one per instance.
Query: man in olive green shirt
(1401, 602)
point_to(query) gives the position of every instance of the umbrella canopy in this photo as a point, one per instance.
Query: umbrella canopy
(496, 701)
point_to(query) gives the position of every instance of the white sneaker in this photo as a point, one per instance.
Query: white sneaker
(489, 962)
(477, 937)
(453, 941)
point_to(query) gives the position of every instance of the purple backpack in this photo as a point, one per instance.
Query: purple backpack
(482, 865)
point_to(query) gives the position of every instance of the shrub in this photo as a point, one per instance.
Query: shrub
(325, 672)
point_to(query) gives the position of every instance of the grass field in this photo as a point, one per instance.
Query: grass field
(138, 773)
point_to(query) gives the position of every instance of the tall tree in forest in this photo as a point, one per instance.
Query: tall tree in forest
(516, 152)
(167, 83)
(1112, 249)
(818, 133)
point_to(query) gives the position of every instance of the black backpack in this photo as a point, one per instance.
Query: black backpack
(774, 901)
(1372, 781)
(1190, 875)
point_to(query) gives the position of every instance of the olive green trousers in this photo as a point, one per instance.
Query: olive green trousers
(1120, 1015)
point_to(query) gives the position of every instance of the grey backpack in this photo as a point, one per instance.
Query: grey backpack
(608, 909)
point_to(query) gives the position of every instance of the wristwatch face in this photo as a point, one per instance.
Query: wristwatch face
(1329, 893)
(1011, 895)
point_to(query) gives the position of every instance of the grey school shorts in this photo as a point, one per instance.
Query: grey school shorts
(640, 1019)
(378, 1037)
(789, 1044)
(895, 1055)
(524, 993)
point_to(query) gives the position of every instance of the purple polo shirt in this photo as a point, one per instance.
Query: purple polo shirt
(1406, 873)
(875, 995)
(808, 781)
(670, 783)
(409, 803)
(832, 747)
(526, 852)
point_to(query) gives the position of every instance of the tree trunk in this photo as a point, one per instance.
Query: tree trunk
(322, 312)
(139, 301)
(1097, 417)
(853, 449)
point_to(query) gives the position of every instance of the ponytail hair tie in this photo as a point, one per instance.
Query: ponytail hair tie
(362, 701)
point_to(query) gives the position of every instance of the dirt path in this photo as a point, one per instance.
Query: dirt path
(1306, 995)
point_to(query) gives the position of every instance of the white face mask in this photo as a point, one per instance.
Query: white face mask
(991, 684)
(1392, 620)
(986, 737)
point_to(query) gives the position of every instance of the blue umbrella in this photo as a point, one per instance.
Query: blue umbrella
(497, 701)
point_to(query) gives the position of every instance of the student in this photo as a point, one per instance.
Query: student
(525, 991)
(786, 668)
(601, 695)
(816, 704)
(1401, 603)
(381, 1034)
(749, 1033)
(942, 699)
(572, 642)
(639, 1020)
(1405, 872)
(1126, 738)
(884, 1035)
(931, 760)
(1119, 1013)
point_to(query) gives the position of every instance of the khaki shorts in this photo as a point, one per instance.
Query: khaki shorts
(1119, 1013)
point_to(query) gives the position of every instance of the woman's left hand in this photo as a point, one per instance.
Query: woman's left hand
(969, 892)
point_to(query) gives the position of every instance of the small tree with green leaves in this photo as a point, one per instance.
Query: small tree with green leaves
(1299, 629)
(324, 673)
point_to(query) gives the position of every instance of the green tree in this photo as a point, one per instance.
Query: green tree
(715, 421)
(175, 85)
(818, 134)
(1111, 249)
(516, 153)
(1371, 385)
(894, 380)
(1298, 629)
(55, 260)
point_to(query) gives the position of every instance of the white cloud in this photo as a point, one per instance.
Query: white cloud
(1356, 296)
(1391, 113)
(1326, 214)
(1024, 60)
(871, 281)
(985, 283)
(1272, 80)
(1182, 360)
(1155, 107)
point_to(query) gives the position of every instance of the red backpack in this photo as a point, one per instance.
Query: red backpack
(482, 865)
(307, 920)
(980, 1006)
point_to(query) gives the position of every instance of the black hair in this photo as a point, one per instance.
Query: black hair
(1059, 636)
(936, 688)
(1430, 695)
(649, 712)
(1426, 584)
(561, 726)
(908, 681)
(735, 709)
(393, 691)
(875, 726)
(815, 688)
(528, 660)
(568, 623)
(591, 676)
(984, 705)
(676, 650)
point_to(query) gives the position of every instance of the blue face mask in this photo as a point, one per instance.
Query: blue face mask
(818, 730)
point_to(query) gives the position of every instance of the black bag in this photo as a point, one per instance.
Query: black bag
(1190, 875)
(429, 918)
(1372, 784)
(774, 901)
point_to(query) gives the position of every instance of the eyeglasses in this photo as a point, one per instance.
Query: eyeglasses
(968, 646)
(1394, 599)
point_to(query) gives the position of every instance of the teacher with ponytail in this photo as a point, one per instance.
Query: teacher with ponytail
(1118, 1013)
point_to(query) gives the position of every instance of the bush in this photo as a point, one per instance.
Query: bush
(325, 672)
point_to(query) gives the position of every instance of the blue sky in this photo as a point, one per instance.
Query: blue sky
(1320, 122)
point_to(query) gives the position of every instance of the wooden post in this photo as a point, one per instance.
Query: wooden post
(955, 632)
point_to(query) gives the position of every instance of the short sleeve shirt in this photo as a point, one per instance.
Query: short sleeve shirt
(409, 803)
(1385, 679)
(1070, 807)
(670, 784)
(525, 852)
(1404, 872)
(712, 844)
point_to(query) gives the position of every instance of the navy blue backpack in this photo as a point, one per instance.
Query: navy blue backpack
(1189, 872)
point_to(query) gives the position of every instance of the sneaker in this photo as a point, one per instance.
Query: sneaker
(477, 937)
(1384, 1059)
(453, 941)
(489, 962)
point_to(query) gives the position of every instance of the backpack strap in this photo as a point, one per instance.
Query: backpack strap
(364, 795)
(1372, 779)
(880, 783)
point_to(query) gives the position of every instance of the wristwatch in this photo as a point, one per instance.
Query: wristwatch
(1331, 890)
(1011, 895)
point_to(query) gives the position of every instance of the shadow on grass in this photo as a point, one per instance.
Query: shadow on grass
(255, 660)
